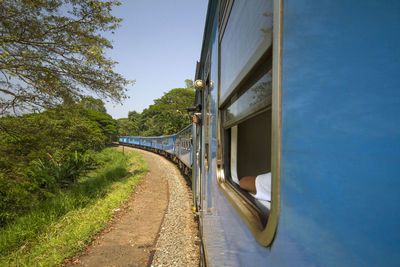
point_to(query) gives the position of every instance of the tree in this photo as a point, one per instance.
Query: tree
(189, 84)
(134, 116)
(127, 127)
(103, 121)
(89, 102)
(41, 151)
(64, 128)
(168, 114)
(52, 51)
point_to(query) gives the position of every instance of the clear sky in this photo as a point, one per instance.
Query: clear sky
(157, 44)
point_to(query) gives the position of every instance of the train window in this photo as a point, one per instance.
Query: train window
(248, 34)
(254, 153)
(246, 126)
(249, 125)
(253, 100)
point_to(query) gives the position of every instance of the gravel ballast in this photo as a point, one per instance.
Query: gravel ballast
(178, 243)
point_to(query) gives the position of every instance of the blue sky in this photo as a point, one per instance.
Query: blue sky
(157, 44)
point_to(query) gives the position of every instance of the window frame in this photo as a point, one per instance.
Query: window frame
(250, 214)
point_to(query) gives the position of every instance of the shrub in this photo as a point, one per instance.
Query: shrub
(15, 198)
(60, 170)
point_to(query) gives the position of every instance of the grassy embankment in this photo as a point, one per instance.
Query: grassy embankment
(59, 228)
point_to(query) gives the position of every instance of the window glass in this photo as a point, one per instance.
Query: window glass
(247, 36)
(253, 100)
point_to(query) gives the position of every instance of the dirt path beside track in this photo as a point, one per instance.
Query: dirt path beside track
(156, 228)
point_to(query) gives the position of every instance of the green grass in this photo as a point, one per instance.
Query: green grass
(59, 228)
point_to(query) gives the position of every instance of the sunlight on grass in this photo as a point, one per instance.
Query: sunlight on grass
(62, 226)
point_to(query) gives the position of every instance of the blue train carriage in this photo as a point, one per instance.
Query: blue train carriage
(131, 140)
(145, 142)
(165, 145)
(158, 143)
(162, 144)
(308, 91)
(123, 139)
(183, 149)
(136, 140)
(168, 143)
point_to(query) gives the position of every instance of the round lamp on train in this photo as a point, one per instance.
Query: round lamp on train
(199, 85)
(211, 84)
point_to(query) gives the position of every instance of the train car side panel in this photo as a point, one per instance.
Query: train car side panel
(227, 240)
(340, 134)
(339, 146)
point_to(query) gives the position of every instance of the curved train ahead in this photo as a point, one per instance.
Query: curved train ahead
(177, 147)
(307, 92)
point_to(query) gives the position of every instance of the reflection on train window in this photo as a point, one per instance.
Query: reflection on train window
(254, 99)
(247, 36)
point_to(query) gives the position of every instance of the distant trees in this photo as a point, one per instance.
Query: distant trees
(126, 127)
(166, 116)
(189, 84)
(52, 51)
(91, 103)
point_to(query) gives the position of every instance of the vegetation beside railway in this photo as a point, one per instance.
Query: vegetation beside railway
(54, 173)
(43, 153)
(166, 116)
(56, 187)
(62, 225)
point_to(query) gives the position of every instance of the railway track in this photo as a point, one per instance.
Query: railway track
(157, 226)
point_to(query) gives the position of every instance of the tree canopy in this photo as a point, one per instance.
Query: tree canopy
(52, 51)
(166, 116)
(89, 102)
(189, 84)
